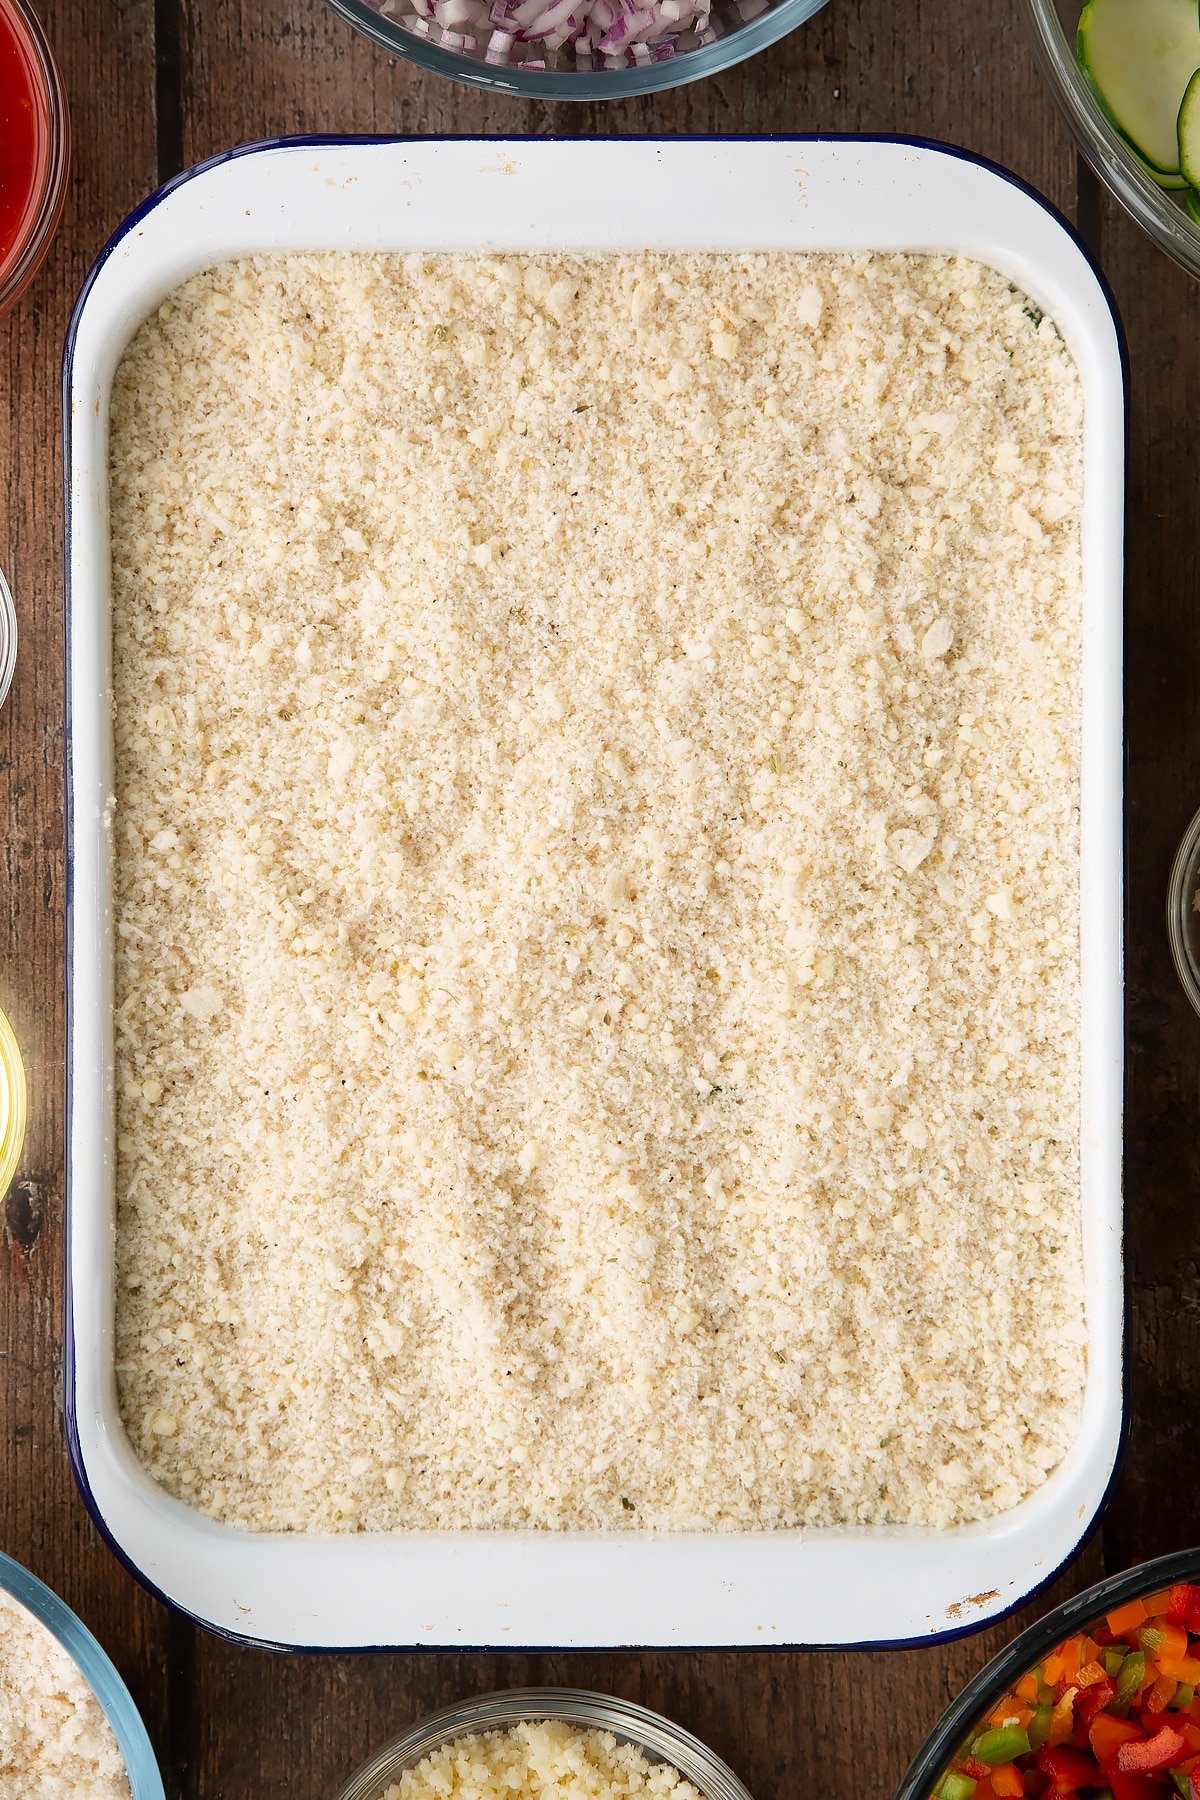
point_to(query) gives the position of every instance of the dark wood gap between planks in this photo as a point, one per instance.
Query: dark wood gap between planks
(168, 87)
(1089, 206)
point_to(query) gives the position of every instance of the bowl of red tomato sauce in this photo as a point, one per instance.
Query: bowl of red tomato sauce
(1100, 1700)
(35, 147)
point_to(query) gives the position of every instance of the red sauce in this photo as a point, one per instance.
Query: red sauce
(24, 138)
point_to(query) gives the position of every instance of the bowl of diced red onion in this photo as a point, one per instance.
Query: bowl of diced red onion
(575, 49)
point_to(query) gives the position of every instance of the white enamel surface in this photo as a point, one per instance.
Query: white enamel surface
(544, 1589)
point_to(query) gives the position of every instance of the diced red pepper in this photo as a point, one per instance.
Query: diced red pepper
(1103, 1636)
(1181, 1601)
(1108, 1734)
(1094, 1699)
(1155, 1755)
(1183, 1605)
(1068, 1769)
(1134, 1787)
(978, 1771)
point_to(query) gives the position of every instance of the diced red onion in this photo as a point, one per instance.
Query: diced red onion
(610, 32)
(559, 16)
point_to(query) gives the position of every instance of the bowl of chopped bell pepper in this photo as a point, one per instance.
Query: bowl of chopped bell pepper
(1100, 1699)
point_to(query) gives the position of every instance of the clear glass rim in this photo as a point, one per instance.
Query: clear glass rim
(116, 1702)
(634, 1724)
(1181, 889)
(579, 84)
(994, 1680)
(8, 638)
(1105, 150)
(55, 188)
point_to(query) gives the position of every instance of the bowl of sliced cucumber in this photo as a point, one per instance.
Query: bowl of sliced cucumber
(1126, 74)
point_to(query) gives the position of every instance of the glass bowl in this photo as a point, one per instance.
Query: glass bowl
(8, 638)
(145, 1782)
(13, 1105)
(743, 26)
(1183, 919)
(962, 1719)
(19, 265)
(631, 1724)
(1159, 213)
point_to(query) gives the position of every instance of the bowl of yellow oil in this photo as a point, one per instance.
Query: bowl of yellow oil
(13, 1104)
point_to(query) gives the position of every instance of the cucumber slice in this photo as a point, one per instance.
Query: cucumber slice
(1191, 205)
(1188, 132)
(1138, 57)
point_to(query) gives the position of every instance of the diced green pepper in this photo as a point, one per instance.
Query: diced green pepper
(1112, 1660)
(955, 1787)
(1151, 1638)
(1184, 1695)
(1039, 1726)
(1181, 1782)
(1003, 1744)
(1131, 1677)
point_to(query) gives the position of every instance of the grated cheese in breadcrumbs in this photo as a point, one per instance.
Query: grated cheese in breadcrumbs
(540, 1760)
(596, 876)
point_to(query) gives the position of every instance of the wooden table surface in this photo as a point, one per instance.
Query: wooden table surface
(157, 84)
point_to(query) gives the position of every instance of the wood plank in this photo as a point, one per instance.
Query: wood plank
(106, 52)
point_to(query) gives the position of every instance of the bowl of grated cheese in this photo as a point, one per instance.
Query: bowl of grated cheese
(535, 1742)
(68, 1724)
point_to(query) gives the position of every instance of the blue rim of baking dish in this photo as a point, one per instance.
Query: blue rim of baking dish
(336, 140)
(97, 1669)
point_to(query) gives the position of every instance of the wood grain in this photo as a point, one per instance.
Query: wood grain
(154, 83)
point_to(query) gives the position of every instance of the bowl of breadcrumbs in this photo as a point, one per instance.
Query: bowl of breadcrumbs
(541, 1744)
(68, 1725)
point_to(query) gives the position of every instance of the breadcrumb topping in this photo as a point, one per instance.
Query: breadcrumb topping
(596, 872)
(55, 1742)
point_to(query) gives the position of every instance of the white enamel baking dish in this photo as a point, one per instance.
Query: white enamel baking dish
(804, 1587)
